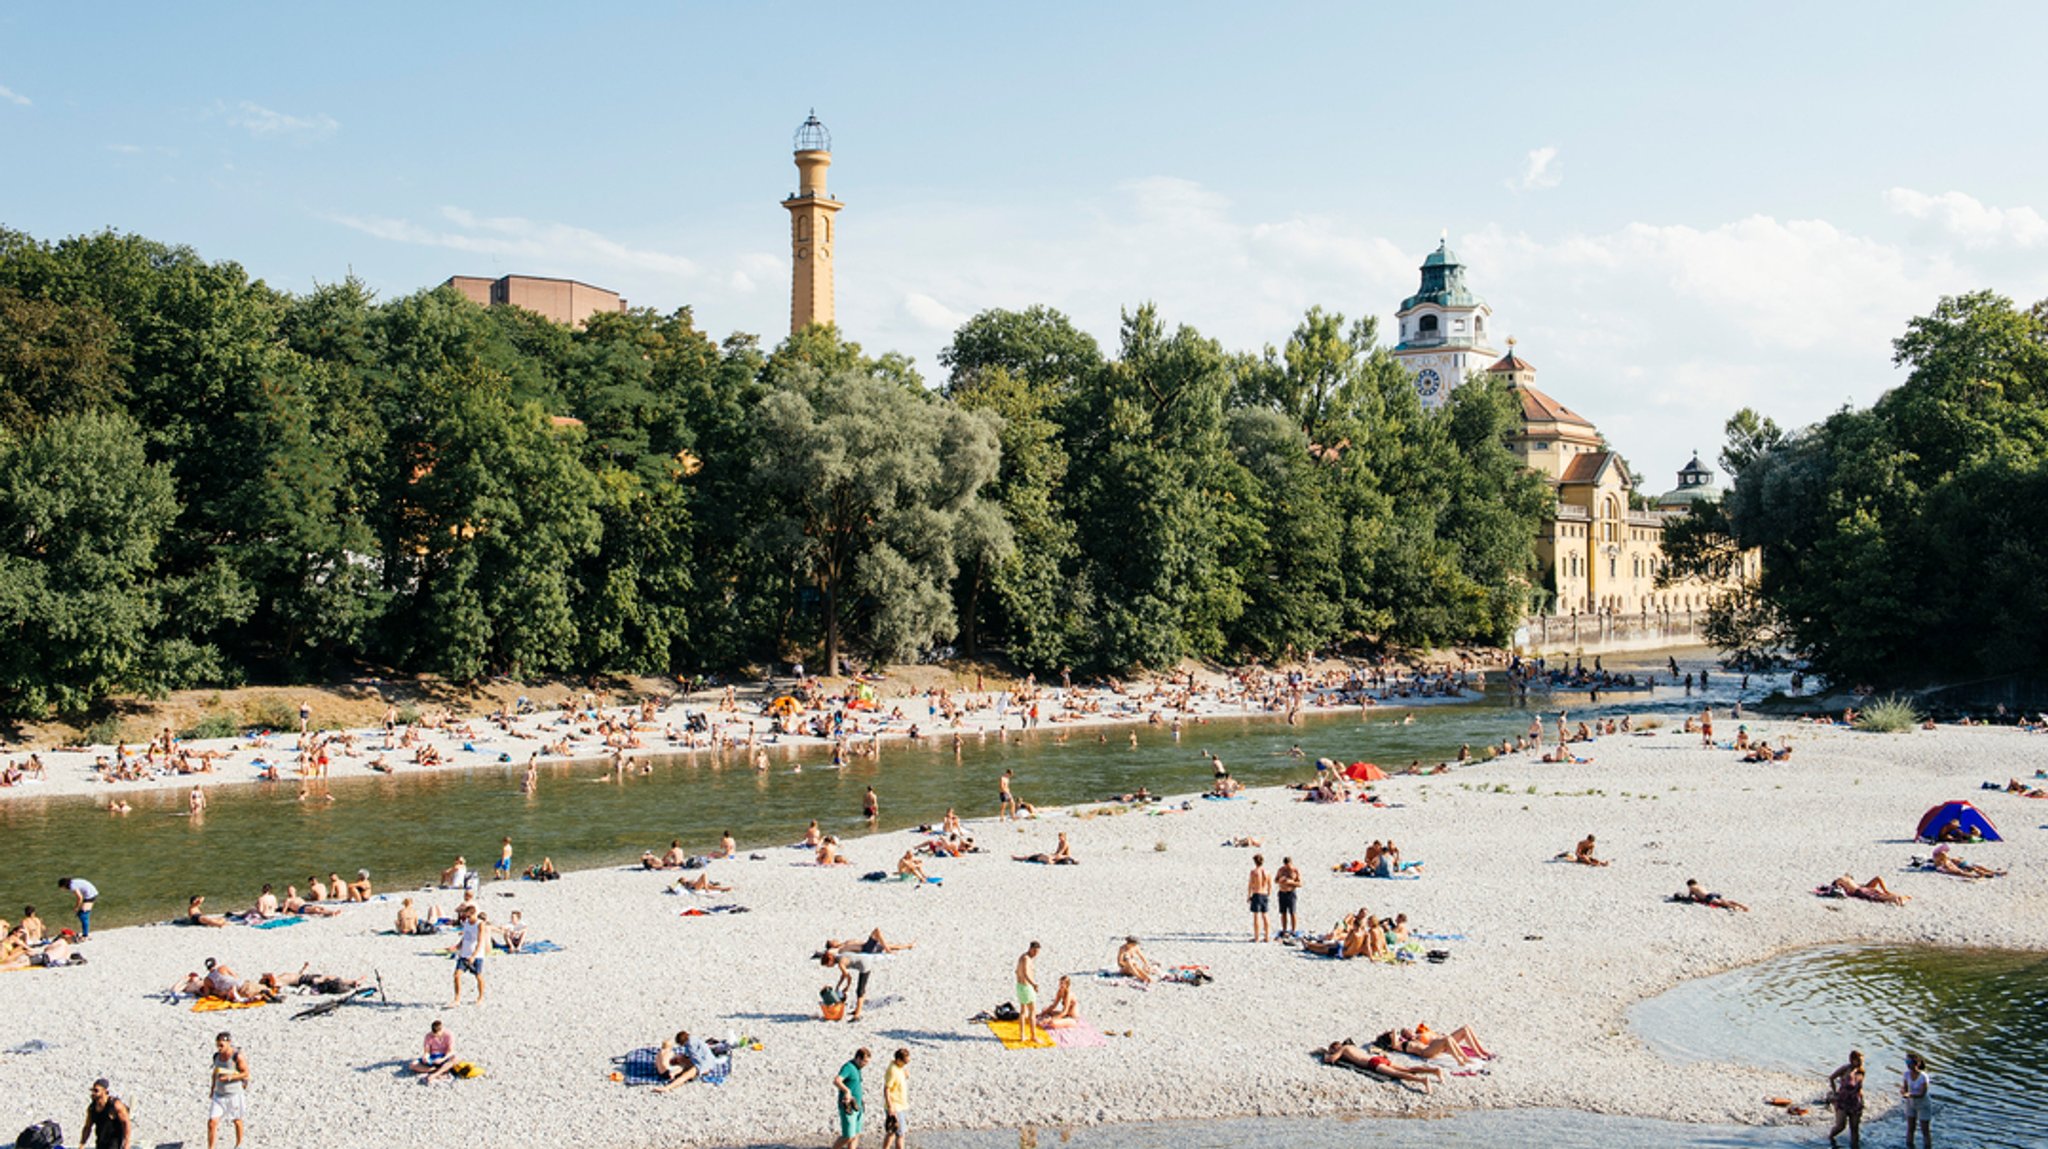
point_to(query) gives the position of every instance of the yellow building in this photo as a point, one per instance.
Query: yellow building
(1599, 553)
(810, 229)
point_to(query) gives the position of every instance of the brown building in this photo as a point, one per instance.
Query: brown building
(810, 229)
(566, 301)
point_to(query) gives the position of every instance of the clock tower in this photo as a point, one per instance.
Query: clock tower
(810, 229)
(1442, 329)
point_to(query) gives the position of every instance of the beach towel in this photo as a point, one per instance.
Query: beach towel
(1080, 1035)
(1011, 1034)
(1439, 937)
(535, 947)
(215, 1004)
(1390, 877)
(277, 923)
(637, 1067)
(707, 911)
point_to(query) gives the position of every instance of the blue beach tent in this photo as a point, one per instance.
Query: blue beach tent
(1972, 819)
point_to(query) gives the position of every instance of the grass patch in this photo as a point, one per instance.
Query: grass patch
(273, 713)
(212, 726)
(408, 716)
(1892, 715)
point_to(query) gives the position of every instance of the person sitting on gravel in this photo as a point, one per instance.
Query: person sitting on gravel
(1460, 1045)
(1583, 854)
(908, 866)
(1872, 891)
(1132, 962)
(436, 1058)
(1348, 1054)
(194, 917)
(828, 853)
(1062, 855)
(1698, 895)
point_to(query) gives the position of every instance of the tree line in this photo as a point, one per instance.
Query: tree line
(205, 480)
(1902, 544)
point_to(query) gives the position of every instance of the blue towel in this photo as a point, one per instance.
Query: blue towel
(278, 923)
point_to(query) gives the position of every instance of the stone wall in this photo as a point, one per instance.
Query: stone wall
(1608, 633)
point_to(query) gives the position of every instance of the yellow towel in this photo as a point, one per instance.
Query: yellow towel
(211, 1004)
(1011, 1034)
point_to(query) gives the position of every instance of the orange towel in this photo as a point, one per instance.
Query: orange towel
(1011, 1034)
(212, 1004)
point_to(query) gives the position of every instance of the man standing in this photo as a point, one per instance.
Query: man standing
(895, 1098)
(228, 1094)
(106, 1120)
(1009, 800)
(1289, 880)
(1027, 997)
(503, 869)
(1259, 892)
(84, 893)
(469, 953)
(848, 1085)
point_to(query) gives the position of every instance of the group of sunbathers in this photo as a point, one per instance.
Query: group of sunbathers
(1362, 935)
(1380, 861)
(1460, 1045)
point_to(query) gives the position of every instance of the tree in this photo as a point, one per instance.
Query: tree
(82, 512)
(869, 489)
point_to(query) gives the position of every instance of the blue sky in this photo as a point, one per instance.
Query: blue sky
(1678, 210)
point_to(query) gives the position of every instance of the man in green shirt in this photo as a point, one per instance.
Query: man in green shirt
(848, 1086)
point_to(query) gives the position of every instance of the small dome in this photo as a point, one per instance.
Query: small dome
(1443, 256)
(811, 135)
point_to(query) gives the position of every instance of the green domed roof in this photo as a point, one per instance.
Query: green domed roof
(1443, 281)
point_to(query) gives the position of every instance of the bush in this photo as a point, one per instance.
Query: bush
(105, 732)
(273, 713)
(1893, 715)
(213, 726)
(408, 716)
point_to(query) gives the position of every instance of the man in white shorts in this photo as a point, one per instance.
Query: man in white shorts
(229, 1090)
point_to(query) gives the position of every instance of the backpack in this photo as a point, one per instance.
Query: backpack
(1006, 1012)
(44, 1135)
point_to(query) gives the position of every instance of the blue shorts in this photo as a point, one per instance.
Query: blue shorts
(473, 965)
(1258, 903)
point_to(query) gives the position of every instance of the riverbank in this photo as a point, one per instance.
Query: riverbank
(1544, 959)
(741, 723)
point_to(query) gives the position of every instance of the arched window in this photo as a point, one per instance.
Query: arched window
(1426, 325)
(803, 228)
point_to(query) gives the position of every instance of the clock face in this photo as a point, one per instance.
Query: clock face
(1429, 383)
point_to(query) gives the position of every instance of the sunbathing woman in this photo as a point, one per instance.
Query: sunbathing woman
(1347, 1054)
(828, 853)
(702, 884)
(1460, 1045)
(1947, 863)
(1132, 962)
(194, 917)
(1872, 891)
(874, 943)
(1064, 1011)
(1062, 855)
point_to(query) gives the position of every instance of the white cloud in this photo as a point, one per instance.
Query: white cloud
(265, 123)
(931, 313)
(13, 97)
(1541, 170)
(1971, 220)
(546, 248)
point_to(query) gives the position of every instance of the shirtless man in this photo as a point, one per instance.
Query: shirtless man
(908, 866)
(1583, 853)
(1007, 800)
(702, 884)
(1132, 962)
(1027, 996)
(1288, 880)
(1062, 855)
(1259, 892)
(1345, 1053)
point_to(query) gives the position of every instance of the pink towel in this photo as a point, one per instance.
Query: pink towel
(1079, 1035)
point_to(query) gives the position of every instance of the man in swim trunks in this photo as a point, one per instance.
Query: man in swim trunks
(1258, 892)
(1027, 996)
(469, 953)
(1288, 879)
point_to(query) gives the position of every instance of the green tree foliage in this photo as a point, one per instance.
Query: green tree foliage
(869, 488)
(81, 515)
(1904, 542)
(242, 481)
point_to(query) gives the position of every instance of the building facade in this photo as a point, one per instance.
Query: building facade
(1440, 331)
(568, 302)
(811, 212)
(1602, 547)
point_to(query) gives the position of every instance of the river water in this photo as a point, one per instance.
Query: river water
(405, 829)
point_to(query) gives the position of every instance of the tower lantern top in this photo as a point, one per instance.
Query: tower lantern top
(811, 135)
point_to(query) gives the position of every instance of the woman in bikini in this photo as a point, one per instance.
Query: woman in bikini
(1460, 1045)
(1064, 1011)
(1872, 891)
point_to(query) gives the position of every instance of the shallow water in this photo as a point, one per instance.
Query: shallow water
(404, 829)
(1975, 1016)
(1481, 1129)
